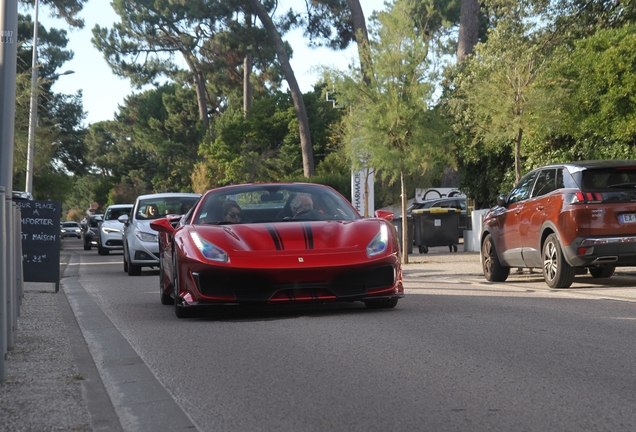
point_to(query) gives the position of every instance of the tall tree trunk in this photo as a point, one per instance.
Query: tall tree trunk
(362, 39)
(297, 96)
(199, 85)
(405, 225)
(468, 28)
(518, 155)
(247, 84)
(247, 73)
(197, 75)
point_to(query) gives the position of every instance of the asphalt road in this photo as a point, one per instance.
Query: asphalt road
(457, 354)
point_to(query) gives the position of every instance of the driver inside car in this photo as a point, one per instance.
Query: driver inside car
(302, 203)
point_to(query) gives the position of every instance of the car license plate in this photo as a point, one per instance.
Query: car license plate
(628, 218)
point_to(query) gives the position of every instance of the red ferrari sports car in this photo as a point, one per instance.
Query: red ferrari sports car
(277, 243)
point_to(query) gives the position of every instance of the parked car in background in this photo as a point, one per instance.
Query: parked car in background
(71, 229)
(19, 195)
(452, 202)
(566, 219)
(277, 243)
(110, 232)
(90, 231)
(141, 247)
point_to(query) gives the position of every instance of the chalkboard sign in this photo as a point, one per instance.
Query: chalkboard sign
(40, 241)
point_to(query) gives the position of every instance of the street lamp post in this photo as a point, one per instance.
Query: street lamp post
(33, 111)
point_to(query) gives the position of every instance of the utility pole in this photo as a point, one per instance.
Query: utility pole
(8, 64)
(8, 67)
(33, 111)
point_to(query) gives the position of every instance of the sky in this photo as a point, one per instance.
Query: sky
(103, 91)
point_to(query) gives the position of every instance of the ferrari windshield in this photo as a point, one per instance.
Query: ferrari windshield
(272, 203)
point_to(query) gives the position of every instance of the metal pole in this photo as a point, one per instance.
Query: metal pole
(8, 62)
(4, 287)
(9, 268)
(8, 67)
(33, 112)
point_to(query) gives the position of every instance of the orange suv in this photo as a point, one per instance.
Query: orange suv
(565, 219)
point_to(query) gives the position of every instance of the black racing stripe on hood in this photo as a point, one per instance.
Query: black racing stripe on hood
(278, 241)
(309, 236)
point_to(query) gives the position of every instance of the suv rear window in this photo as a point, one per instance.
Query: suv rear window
(615, 184)
(616, 178)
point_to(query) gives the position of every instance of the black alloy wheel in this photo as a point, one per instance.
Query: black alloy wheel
(179, 311)
(165, 298)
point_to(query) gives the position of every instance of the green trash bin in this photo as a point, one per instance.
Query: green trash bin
(436, 226)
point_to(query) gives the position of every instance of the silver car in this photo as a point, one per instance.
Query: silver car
(71, 229)
(141, 243)
(110, 233)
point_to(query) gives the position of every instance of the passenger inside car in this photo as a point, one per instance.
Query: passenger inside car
(231, 212)
(152, 212)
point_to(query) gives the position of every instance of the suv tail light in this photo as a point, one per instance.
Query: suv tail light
(587, 197)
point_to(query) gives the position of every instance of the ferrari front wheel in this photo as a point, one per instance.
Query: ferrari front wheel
(179, 311)
(165, 298)
(381, 304)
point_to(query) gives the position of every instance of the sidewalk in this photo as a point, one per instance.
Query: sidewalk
(45, 391)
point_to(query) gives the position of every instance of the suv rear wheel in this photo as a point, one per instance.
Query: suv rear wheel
(602, 272)
(556, 270)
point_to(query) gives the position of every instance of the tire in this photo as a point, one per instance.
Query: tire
(556, 270)
(87, 246)
(134, 270)
(165, 298)
(423, 249)
(102, 251)
(125, 263)
(179, 311)
(381, 304)
(494, 271)
(602, 272)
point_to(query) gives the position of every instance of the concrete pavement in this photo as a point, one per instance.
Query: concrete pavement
(52, 380)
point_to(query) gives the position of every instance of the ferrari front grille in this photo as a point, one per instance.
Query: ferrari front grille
(361, 281)
(257, 287)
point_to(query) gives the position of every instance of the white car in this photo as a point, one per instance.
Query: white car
(71, 229)
(141, 243)
(110, 231)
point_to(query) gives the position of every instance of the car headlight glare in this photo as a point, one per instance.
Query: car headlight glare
(208, 250)
(146, 237)
(380, 242)
(107, 230)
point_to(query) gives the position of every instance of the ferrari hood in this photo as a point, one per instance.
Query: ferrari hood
(292, 236)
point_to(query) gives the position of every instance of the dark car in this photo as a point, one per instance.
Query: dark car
(567, 219)
(91, 231)
(452, 202)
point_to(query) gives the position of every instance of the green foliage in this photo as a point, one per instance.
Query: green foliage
(265, 145)
(600, 75)
(389, 124)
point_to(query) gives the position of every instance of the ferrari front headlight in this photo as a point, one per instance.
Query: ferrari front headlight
(208, 250)
(380, 242)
